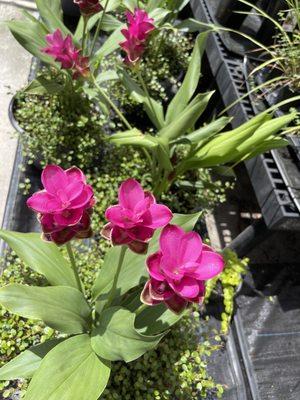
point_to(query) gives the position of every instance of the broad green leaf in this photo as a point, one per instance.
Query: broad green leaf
(25, 364)
(107, 76)
(159, 14)
(187, 118)
(71, 371)
(44, 258)
(130, 4)
(269, 128)
(193, 25)
(153, 4)
(42, 86)
(31, 36)
(137, 93)
(156, 319)
(133, 271)
(60, 307)
(115, 337)
(111, 44)
(109, 23)
(134, 137)
(51, 14)
(190, 82)
(207, 131)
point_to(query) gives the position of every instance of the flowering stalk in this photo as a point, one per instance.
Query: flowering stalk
(74, 267)
(84, 35)
(144, 86)
(98, 29)
(116, 277)
(111, 104)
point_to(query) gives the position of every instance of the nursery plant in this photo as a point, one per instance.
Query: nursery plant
(143, 288)
(209, 146)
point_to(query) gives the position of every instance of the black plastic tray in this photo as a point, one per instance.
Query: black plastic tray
(278, 208)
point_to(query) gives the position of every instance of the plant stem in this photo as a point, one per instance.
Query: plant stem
(142, 82)
(99, 27)
(141, 308)
(116, 277)
(73, 265)
(112, 105)
(84, 35)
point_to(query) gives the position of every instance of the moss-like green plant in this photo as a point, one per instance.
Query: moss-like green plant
(227, 284)
(181, 358)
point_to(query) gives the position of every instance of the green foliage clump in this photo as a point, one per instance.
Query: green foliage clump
(227, 284)
(177, 369)
(61, 129)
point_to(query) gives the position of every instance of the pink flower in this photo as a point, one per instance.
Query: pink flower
(65, 204)
(134, 220)
(178, 271)
(64, 51)
(89, 7)
(138, 29)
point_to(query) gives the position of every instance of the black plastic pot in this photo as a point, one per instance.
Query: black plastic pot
(16, 126)
(70, 9)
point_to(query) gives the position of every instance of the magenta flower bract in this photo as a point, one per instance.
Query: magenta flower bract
(89, 7)
(138, 29)
(64, 51)
(65, 204)
(134, 220)
(178, 271)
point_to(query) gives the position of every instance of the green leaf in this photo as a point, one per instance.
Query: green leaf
(133, 271)
(111, 44)
(60, 307)
(25, 364)
(187, 118)
(109, 23)
(44, 258)
(70, 371)
(115, 337)
(107, 76)
(156, 319)
(51, 13)
(193, 25)
(137, 94)
(207, 131)
(41, 86)
(31, 35)
(134, 137)
(191, 80)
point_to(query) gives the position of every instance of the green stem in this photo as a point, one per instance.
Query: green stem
(116, 277)
(142, 82)
(84, 35)
(141, 309)
(112, 105)
(73, 265)
(99, 27)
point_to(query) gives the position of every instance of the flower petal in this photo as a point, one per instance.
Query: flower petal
(68, 217)
(153, 264)
(211, 264)
(43, 202)
(138, 247)
(54, 179)
(73, 190)
(146, 297)
(130, 193)
(176, 304)
(63, 236)
(140, 233)
(119, 236)
(84, 199)
(75, 174)
(190, 248)
(170, 240)
(187, 288)
(157, 216)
